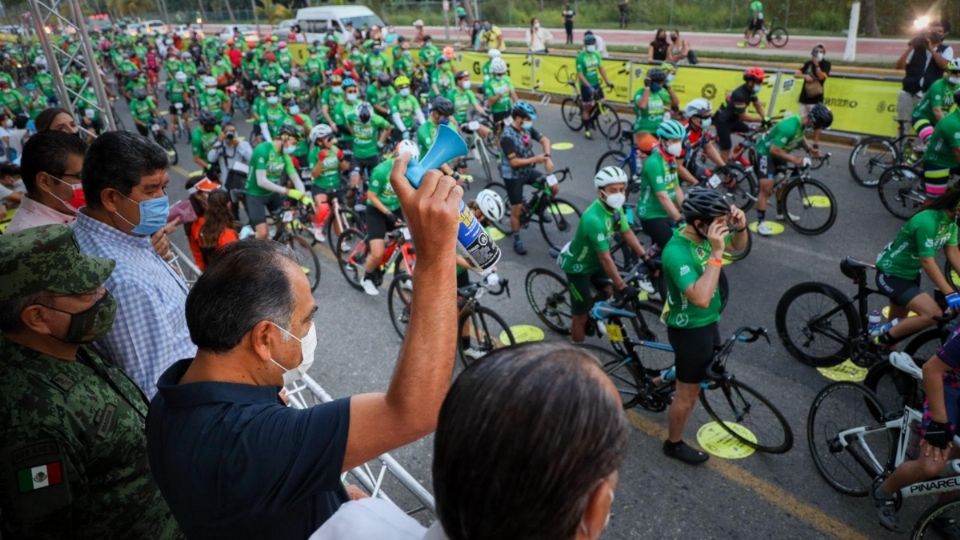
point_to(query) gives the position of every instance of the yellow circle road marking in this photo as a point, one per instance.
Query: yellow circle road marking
(717, 441)
(817, 201)
(495, 233)
(775, 227)
(562, 146)
(844, 371)
(565, 209)
(523, 333)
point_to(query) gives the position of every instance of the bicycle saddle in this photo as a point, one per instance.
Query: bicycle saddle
(854, 269)
(904, 362)
(603, 310)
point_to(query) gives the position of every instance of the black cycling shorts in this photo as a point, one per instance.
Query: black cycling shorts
(754, 25)
(378, 225)
(659, 229)
(580, 287)
(725, 130)
(500, 116)
(900, 291)
(515, 185)
(589, 94)
(143, 130)
(364, 165)
(186, 107)
(767, 166)
(317, 190)
(693, 349)
(258, 206)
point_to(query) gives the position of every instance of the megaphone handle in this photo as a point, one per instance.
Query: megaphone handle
(415, 173)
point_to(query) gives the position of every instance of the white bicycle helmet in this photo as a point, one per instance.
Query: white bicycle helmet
(493, 53)
(407, 146)
(498, 66)
(319, 131)
(609, 175)
(209, 81)
(294, 84)
(953, 65)
(697, 107)
(181, 77)
(185, 56)
(490, 204)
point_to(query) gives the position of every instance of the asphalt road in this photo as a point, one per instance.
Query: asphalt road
(760, 496)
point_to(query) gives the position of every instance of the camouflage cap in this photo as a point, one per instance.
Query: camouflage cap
(47, 258)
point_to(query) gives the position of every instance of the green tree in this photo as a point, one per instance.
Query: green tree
(273, 12)
(130, 8)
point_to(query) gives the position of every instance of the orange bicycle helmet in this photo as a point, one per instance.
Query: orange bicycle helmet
(754, 74)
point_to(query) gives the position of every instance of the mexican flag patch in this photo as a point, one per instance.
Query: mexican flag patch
(38, 477)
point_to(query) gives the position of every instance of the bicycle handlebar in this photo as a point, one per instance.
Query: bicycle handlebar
(748, 334)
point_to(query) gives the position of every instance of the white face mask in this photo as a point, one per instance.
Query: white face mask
(294, 109)
(211, 91)
(954, 80)
(308, 346)
(591, 48)
(352, 97)
(404, 92)
(465, 85)
(272, 100)
(819, 57)
(705, 123)
(674, 149)
(615, 200)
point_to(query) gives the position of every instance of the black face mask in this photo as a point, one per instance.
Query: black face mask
(92, 323)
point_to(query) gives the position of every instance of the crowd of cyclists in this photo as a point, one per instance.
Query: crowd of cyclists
(325, 129)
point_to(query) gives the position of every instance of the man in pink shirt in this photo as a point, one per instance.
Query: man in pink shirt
(50, 168)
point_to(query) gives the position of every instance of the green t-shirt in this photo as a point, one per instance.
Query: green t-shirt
(405, 106)
(786, 135)
(426, 134)
(202, 141)
(924, 235)
(275, 116)
(314, 67)
(463, 102)
(375, 64)
(428, 55)
(381, 187)
(277, 164)
(658, 175)
(945, 138)
(589, 64)
(380, 96)
(365, 135)
(683, 263)
(499, 85)
(649, 119)
(213, 103)
(177, 92)
(596, 228)
(330, 173)
(940, 94)
(142, 109)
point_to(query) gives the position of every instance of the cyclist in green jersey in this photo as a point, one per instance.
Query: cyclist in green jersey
(754, 24)
(327, 163)
(587, 257)
(143, 109)
(442, 78)
(691, 265)
(214, 100)
(11, 100)
(499, 91)
(383, 216)
(330, 100)
(937, 101)
(45, 81)
(464, 101)
(590, 71)
(405, 109)
(485, 69)
(270, 171)
(428, 54)
(273, 115)
(652, 102)
(270, 70)
(658, 206)
(370, 133)
(774, 147)
(380, 92)
(942, 154)
(351, 98)
(178, 95)
(403, 63)
(303, 124)
(912, 253)
(376, 62)
(204, 137)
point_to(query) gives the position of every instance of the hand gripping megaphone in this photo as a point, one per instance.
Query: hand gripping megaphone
(475, 244)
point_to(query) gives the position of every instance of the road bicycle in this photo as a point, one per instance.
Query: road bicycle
(160, 136)
(352, 251)
(180, 128)
(558, 218)
(480, 330)
(484, 151)
(902, 191)
(776, 36)
(854, 441)
(874, 155)
(821, 326)
(604, 117)
(805, 203)
(735, 406)
(344, 216)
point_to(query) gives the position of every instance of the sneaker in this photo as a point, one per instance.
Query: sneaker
(473, 353)
(318, 235)
(741, 44)
(680, 451)
(587, 134)
(763, 45)
(407, 284)
(369, 287)
(646, 285)
(947, 527)
(886, 508)
(793, 217)
(764, 229)
(518, 246)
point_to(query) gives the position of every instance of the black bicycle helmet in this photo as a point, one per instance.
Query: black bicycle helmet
(364, 112)
(704, 204)
(658, 76)
(589, 39)
(461, 75)
(207, 119)
(442, 106)
(384, 79)
(821, 116)
(289, 129)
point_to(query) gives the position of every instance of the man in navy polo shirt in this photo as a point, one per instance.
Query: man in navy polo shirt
(230, 459)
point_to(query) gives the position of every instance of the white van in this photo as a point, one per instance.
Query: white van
(315, 21)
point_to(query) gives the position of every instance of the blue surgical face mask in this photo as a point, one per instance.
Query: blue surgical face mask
(527, 125)
(404, 92)
(654, 87)
(153, 215)
(756, 89)
(444, 121)
(294, 109)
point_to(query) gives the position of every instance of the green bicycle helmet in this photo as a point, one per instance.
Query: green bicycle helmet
(670, 130)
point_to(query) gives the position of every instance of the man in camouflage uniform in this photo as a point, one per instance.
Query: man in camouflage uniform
(73, 452)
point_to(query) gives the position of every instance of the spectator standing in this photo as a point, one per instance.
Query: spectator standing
(492, 36)
(679, 49)
(124, 178)
(537, 38)
(923, 63)
(623, 7)
(659, 47)
(814, 73)
(475, 34)
(56, 119)
(72, 424)
(461, 11)
(51, 167)
(568, 16)
(213, 230)
(507, 479)
(418, 34)
(219, 420)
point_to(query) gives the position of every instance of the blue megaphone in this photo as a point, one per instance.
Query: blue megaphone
(448, 145)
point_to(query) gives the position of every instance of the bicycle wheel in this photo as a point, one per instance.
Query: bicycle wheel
(608, 122)
(651, 329)
(901, 191)
(613, 158)
(399, 300)
(754, 39)
(742, 405)
(809, 206)
(570, 112)
(623, 372)
(896, 389)
(549, 299)
(503, 225)
(351, 255)
(481, 332)
(306, 258)
(869, 158)
(844, 406)
(778, 37)
(167, 145)
(485, 158)
(558, 222)
(350, 219)
(817, 323)
(739, 186)
(937, 514)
